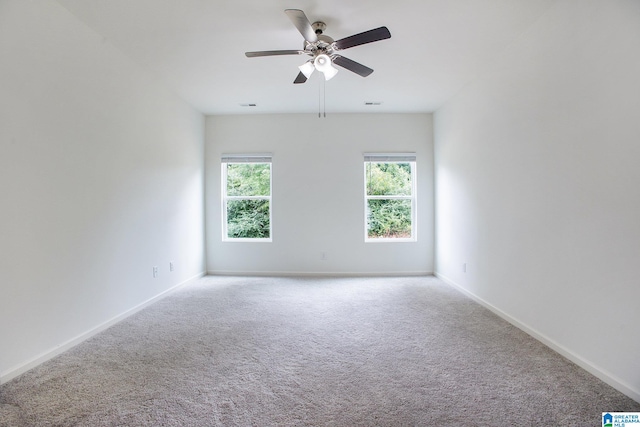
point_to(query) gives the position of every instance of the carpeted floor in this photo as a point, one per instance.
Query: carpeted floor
(231, 351)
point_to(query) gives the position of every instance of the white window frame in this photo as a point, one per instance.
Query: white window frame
(392, 158)
(245, 158)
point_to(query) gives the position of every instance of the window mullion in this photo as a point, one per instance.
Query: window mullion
(248, 197)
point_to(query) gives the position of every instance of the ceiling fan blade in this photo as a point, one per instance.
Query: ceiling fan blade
(352, 66)
(273, 53)
(300, 79)
(363, 38)
(303, 25)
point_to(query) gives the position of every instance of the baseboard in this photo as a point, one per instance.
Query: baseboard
(601, 374)
(50, 354)
(318, 273)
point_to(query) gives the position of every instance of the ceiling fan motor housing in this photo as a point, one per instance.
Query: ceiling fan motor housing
(322, 45)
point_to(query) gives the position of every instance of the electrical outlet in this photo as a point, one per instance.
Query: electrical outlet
(464, 267)
(171, 267)
(155, 271)
(323, 256)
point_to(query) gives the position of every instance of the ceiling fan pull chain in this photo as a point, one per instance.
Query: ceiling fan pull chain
(324, 98)
(319, 98)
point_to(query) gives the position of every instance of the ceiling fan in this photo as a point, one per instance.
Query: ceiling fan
(323, 50)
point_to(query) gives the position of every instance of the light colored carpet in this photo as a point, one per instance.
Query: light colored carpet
(313, 351)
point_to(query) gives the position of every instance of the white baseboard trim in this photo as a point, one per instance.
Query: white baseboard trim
(602, 374)
(317, 273)
(50, 354)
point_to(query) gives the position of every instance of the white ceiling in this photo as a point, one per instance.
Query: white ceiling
(197, 48)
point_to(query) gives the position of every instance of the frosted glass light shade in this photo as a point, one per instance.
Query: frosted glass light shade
(323, 64)
(307, 69)
(329, 72)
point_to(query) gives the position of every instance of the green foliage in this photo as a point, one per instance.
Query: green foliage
(248, 219)
(388, 218)
(388, 179)
(248, 179)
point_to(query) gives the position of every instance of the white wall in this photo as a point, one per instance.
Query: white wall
(318, 197)
(101, 178)
(537, 186)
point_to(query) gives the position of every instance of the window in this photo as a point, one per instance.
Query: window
(246, 197)
(390, 197)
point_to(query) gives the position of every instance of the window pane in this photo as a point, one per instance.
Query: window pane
(248, 179)
(248, 219)
(388, 179)
(388, 218)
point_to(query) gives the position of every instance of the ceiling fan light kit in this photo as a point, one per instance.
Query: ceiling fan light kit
(323, 50)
